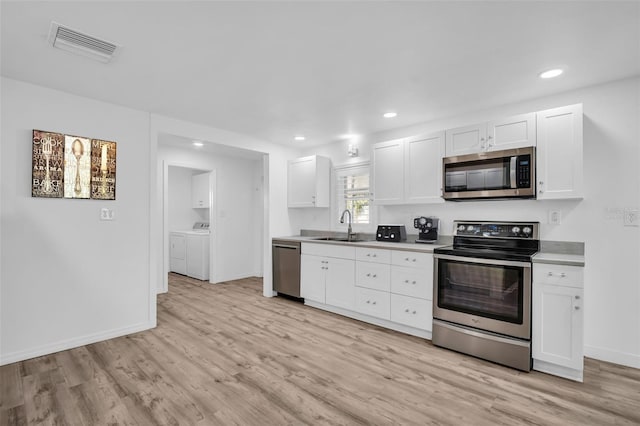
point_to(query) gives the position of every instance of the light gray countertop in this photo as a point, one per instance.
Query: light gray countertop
(559, 258)
(404, 246)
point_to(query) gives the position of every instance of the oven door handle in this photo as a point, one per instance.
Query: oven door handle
(483, 261)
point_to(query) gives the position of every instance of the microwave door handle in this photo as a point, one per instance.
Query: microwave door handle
(512, 172)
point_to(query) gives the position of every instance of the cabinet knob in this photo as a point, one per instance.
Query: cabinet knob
(577, 297)
(374, 255)
(550, 274)
(374, 303)
(577, 308)
(368, 275)
(413, 260)
(406, 281)
(374, 275)
(406, 310)
(368, 301)
(414, 312)
(406, 258)
(368, 254)
(562, 275)
(413, 282)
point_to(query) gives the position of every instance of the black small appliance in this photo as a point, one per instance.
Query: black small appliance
(428, 227)
(393, 233)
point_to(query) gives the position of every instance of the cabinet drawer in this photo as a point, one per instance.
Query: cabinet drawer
(570, 276)
(373, 275)
(329, 250)
(373, 255)
(411, 311)
(415, 282)
(372, 302)
(412, 259)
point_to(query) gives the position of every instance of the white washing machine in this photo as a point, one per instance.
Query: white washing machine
(189, 251)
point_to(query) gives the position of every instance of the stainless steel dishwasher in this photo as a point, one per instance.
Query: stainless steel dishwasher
(286, 267)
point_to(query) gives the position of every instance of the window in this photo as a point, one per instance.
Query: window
(352, 192)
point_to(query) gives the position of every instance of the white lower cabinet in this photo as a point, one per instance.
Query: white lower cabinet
(325, 278)
(178, 253)
(411, 311)
(391, 288)
(189, 254)
(375, 303)
(558, 320)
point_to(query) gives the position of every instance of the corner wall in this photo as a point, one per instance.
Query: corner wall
(612, 182)
(67, 278)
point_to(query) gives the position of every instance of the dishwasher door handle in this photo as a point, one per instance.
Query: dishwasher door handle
(285, 246)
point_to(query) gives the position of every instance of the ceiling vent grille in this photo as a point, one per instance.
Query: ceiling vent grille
(79, 43)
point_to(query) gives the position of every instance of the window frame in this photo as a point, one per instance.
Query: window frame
(337, 205)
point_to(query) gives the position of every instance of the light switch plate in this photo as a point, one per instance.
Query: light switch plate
(631, 217)
(555, 217)
(106, 214)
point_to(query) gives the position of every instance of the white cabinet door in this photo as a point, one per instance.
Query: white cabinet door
(340, 283)
(312, 277)
(373, 302)
(559, 153)
(309, 180)
(413, 312)
(557, 330)
(512, 132)
(200, 191)
(466, 140)
(388, 172)
(423, 169)
(177, 253)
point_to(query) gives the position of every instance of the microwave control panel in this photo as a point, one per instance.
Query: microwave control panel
(523, 171)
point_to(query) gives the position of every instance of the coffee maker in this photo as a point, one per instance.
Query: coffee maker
(428, 227)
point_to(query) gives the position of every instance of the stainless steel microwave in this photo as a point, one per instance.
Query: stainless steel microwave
(509, 173)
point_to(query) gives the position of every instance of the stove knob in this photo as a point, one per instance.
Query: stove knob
(461, 228)
(526, 230)
(515, 230)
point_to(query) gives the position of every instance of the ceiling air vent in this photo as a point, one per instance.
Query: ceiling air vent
(81, 44)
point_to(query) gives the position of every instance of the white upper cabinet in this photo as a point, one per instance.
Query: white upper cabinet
(559, 153)
(408, 171)
(200, 191)
(466, 140)
(423, 169)
(309, 180)
(388, 172)
(507, 133)
(513, 132)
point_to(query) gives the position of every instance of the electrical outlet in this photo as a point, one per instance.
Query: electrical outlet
(106, 214)
(555, 217)
(631, 217)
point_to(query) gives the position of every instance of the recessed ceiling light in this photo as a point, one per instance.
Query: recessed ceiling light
(389, 114)
(348, 136)
(299, 138)
(198, 144)
(551, 73)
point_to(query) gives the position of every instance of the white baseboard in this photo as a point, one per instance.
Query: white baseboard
(556, 370)
(72, 343)
(235, 277)
(603, 354)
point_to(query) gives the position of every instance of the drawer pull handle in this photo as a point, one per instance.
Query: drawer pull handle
(414, 283)
(550, 274)
(368, 275)
(577, 308)
(374, 275)
(406, 281)
(368, 301)
(414, 312)
(406, 310)
(368, 254)
(374, 302)
(577, 297)
(413, 260)
(406, 258)
(374, 255)
(562, 275)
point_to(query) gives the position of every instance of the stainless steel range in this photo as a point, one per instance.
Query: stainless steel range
(482, 291)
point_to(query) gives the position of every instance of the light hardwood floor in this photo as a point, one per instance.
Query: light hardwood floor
(223, 354)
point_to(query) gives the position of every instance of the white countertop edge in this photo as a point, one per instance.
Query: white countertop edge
(559, 259)
(404, 246)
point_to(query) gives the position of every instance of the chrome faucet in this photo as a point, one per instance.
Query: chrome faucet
(349, 229)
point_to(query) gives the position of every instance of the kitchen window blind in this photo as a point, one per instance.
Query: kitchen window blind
(352, 192)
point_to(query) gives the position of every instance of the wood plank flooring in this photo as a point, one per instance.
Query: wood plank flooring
(223, 354)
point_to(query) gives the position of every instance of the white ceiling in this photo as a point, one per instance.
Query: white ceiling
(272, 70)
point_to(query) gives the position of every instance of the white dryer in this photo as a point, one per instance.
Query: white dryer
(189, 251)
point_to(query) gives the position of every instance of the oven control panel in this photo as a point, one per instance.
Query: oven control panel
(526, 230)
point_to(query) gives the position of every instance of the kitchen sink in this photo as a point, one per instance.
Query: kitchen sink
(342, 239)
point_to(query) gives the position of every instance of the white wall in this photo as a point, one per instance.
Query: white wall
(612, 180)
(68, 279)
(181, 215)
(238, 256)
